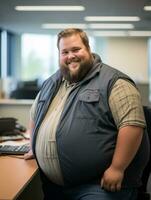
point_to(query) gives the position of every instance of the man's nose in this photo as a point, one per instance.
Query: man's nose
(71, 55)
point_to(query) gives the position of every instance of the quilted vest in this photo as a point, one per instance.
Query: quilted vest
(86, 134)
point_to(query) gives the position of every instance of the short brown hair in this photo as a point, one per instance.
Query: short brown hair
(73, 31)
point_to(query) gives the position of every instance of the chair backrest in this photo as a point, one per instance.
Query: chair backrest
(143, 195)
(147, 112)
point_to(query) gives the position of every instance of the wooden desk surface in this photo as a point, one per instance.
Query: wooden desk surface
(15, 174)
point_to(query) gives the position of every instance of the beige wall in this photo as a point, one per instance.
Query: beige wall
(129, 55)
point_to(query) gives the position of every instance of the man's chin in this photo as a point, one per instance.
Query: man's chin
(74, 71)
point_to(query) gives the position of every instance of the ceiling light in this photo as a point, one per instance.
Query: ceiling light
(147, 8)
(111, 26)
(122, 33)
(112, 18)
(110, 33)
(140, 33)
(49, 8)
(62, 26)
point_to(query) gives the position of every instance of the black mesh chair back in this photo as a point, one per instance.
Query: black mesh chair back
(143, 194)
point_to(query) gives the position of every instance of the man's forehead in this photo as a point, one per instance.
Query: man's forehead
(73, 40)
(71, 37)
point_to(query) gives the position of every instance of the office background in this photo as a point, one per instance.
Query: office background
(28, 52)
(119, 31)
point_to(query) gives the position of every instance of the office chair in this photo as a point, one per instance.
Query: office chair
(142, 193)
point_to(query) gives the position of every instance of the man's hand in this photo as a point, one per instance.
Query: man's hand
(112, 179)
(128, 142)
(29, 155)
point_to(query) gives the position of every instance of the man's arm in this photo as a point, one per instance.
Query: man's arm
(128, 142)
(30, 155)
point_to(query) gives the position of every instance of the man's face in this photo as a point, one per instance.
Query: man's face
(75, 59)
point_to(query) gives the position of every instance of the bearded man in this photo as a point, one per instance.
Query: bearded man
(87, 127)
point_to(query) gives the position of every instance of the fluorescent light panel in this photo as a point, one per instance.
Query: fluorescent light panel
(89, 26)
(147, 8)
(49, 8)
(112, 18)
(111, 26)
(62, 26)
(109, 33)
(140, 33)
(122, 33)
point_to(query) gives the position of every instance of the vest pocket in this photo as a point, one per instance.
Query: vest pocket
(89, 96)
(88, 105)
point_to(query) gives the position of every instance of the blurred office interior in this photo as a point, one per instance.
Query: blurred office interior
(119, 32)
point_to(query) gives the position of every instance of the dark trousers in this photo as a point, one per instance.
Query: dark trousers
(90, 191)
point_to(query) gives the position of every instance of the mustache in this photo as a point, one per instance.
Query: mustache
(73, 60)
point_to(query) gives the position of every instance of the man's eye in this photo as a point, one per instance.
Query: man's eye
(64, 53)
(76, 50)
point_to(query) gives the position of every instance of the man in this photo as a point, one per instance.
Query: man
(88, 127)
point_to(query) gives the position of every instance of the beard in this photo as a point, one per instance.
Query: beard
(80, 73)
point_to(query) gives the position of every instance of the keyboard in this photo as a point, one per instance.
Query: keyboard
(14, 149)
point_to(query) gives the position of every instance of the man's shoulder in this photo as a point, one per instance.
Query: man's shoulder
(53, 78)
(112, 73)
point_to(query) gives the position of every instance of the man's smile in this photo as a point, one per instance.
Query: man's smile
(73, 65)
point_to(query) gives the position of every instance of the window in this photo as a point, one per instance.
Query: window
(0, 54)
(149, 71)
(38, 57)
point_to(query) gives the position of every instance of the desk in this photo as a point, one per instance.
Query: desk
(15, 175)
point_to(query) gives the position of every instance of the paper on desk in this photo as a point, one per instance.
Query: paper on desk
(15, 142)
(10, 138)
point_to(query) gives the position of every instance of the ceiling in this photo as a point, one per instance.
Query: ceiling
(30, 22)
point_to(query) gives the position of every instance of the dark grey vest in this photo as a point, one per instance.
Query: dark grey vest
(86, 134)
